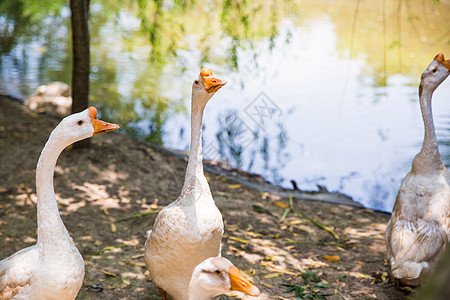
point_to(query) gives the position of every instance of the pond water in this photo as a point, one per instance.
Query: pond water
(320, 92)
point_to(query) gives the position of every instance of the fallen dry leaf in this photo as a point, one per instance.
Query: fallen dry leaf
(281, 204)
(266, 285)
(126, 282)
(360, 275)
(232, 227)
(331, 257)
(235, 186)
(238, 239)
(384, 277)
(108, 273)
(250, 233)
(273, 275)
(295, 222)
(362, 292)
(132, 263)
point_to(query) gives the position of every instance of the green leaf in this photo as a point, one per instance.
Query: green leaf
(309, 276)
(289, 290)
(299, 290)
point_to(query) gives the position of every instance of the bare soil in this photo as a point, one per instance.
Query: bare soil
(325, 249)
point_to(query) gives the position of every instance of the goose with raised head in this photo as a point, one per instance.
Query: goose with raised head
(190, 229)
(418, 230)
(216, 276)
(53, 268)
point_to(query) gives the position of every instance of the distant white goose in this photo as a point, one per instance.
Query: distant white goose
(418, 230)
(53, 268)
(190, 229)
(216, 276)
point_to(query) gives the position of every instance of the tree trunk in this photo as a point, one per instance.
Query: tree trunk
(81, 59)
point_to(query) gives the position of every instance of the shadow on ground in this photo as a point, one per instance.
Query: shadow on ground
(325, 249)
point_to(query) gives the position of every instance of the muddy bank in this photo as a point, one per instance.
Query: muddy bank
(110, 194)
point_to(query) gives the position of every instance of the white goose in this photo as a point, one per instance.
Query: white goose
(216, 276)
(190, 229)
(53, 268)
(418, 230)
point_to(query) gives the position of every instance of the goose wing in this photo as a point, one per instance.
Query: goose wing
(417, 242)
(16, 271)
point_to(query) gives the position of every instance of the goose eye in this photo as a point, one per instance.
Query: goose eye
(80, 122)
(434, 70)
(218, 272)
(196, 81)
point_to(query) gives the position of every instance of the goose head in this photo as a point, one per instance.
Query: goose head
(205, 86)
(435, 73)
(80, 126)
(216, 276)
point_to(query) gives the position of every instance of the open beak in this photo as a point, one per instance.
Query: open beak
(440, 58)
(239, 283)
(99, 125)
(212, 84)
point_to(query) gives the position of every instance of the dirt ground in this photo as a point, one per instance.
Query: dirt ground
(312, 248)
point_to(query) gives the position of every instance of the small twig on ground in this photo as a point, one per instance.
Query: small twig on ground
(316, 243)
(132, 263)
(291, 202)
(340, 294)
(301, 213)
(283, 217)
(234, 238)
(288, 210)
(320, 225)
(151, 211)
(262, 210)
(112, 247)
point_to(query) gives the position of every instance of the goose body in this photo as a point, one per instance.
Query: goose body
(419, 228)
(53, 268)
(216, 276)
(190, 229)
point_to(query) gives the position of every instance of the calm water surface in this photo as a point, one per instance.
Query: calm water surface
(320, 92)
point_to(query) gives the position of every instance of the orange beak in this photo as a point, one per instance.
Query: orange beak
(239, 283)
(440, 58)
(99, 125)
(212, 84)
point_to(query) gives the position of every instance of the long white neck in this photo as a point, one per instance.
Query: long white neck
(195, 180)
(51, 229)
(429, 159)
